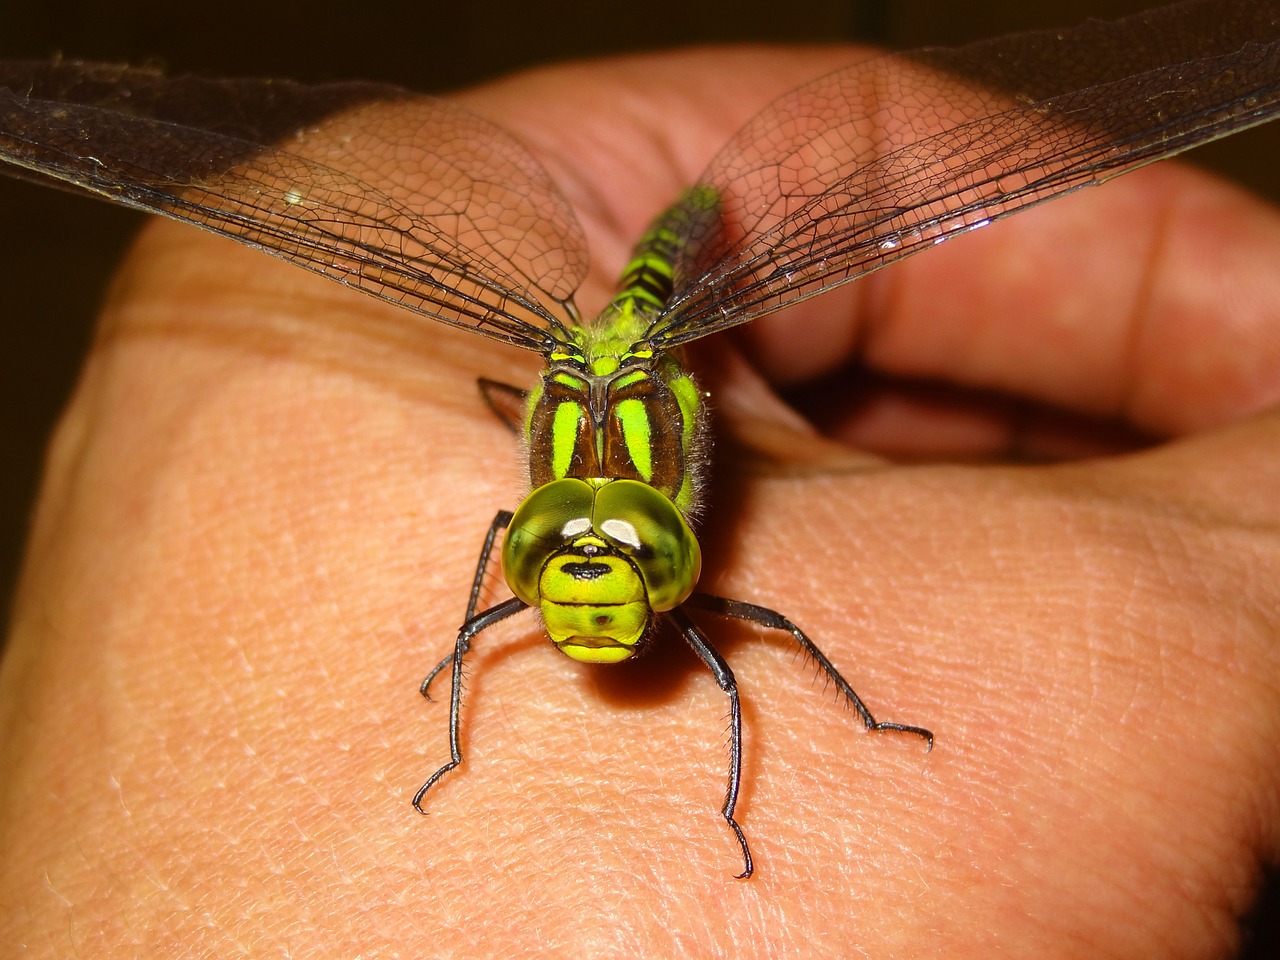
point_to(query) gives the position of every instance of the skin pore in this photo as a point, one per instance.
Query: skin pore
(263, 505)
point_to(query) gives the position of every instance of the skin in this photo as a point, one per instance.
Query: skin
(263, 505)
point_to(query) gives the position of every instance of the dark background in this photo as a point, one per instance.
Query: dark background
(57, 251)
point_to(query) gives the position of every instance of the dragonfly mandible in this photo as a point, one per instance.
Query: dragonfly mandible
(820, 188)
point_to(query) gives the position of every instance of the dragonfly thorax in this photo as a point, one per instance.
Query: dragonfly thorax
(630, 415)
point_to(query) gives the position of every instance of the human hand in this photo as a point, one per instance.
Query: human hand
(262, 507)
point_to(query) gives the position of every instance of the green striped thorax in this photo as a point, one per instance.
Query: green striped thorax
(613, 429)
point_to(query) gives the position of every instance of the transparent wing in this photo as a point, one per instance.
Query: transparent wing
(408, 198)
(890, 156)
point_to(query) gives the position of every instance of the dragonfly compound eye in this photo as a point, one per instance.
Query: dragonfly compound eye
(644, 526)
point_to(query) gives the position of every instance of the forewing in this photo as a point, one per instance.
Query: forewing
(892, 155)
(408, 198)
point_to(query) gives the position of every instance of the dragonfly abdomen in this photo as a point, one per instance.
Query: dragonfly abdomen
(649, 280)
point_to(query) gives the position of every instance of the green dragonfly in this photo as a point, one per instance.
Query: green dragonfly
(818, 189)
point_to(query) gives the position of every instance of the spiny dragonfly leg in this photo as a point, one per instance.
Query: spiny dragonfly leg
(469, 631)
(509, 404)
(724, 677)
(776, 621)
(500, 522)
(425, 688)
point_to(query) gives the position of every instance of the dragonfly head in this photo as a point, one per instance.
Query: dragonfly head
(599, 559)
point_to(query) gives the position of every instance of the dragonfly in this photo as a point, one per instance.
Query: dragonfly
(818, 189)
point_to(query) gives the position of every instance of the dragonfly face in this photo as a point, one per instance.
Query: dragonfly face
(820, 188)
(599, 557)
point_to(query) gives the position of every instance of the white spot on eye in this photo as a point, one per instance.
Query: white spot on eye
(576, 527)
(620, 531)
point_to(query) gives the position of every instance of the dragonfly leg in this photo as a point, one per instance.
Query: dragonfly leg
(470, 629)
(776, 621)
(425, 688)
(509, 404)
(724, 677)
(500, 522)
